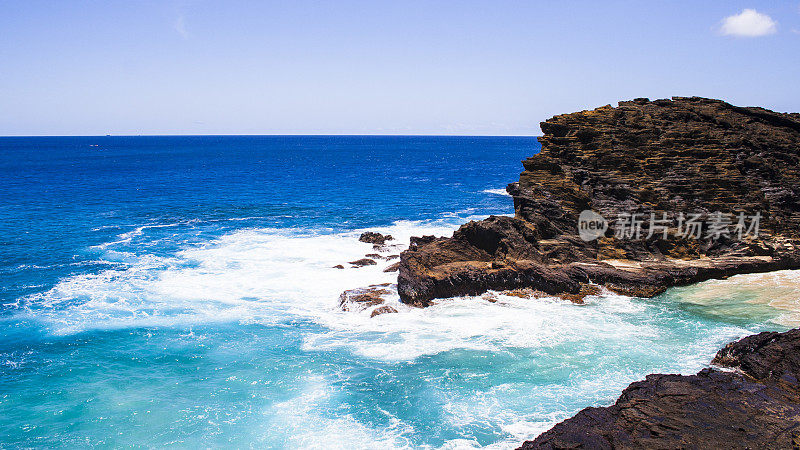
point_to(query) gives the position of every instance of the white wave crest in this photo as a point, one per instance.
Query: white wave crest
(253, 275)
(497, 192)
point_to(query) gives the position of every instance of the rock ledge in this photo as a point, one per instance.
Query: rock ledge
(757, 405)
(687, 155)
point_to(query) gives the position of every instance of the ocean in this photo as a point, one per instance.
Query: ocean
(180, 291)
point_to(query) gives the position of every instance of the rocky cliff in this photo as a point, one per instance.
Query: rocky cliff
(660, 167)
(756, 405)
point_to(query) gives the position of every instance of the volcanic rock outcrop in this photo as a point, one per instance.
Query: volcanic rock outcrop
(657, 166)
(361, 299)
(372, 237)
(755, 406)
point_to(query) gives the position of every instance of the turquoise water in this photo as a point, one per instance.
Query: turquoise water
(180, 291)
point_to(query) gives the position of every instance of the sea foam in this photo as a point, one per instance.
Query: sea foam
(253, 275)
(552, 356)
(497, 192)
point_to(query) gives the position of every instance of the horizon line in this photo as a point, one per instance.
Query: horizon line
(258, 135)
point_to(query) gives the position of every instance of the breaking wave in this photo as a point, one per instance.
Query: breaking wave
(495, 372)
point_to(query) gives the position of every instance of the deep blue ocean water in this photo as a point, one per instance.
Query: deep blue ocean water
(180, 291)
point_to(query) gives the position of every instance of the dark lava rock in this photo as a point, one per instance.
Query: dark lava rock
(756, 407)
(685, 155)
(392, 268)
(577, 298)
(382, 310)
(767, 356)
(363, 298)
(372, 237)
(363, 262)
(338, 266)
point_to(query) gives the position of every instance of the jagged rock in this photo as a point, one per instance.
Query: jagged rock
(373, 256)
(382, 310)
(363, 298)
(392, 268)
(385, 248)
(391, 257)
(586, 290)
(520, 293)
(756, 407)
(690, 155)
(338, 266)
(577, 298)
(768, 356)
(363, 262)
(372, 237)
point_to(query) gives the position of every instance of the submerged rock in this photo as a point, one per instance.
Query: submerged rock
(392, 267)
(758, 406)
(382, 310)
(490, 297)
(385, 248)
(363, 262)
(363, 298)
(685, 155)
(577, 298)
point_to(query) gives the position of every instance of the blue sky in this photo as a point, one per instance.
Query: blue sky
(377, 67)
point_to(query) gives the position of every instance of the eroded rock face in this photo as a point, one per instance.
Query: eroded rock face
(758, 406)
(767, 357)
(690, 155)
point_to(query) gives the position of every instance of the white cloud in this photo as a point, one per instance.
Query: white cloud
(180, 27)
(749, 23)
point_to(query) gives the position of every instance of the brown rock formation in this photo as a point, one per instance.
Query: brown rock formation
(362, 262)
(757, 406)
(392, 267)
(685, 155)
(363, 298)
(382, 310)
(372, 237)
(371, 298)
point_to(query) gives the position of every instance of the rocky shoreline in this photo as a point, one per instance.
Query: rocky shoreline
(663, 159)
(753, 403)
(703, 158)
